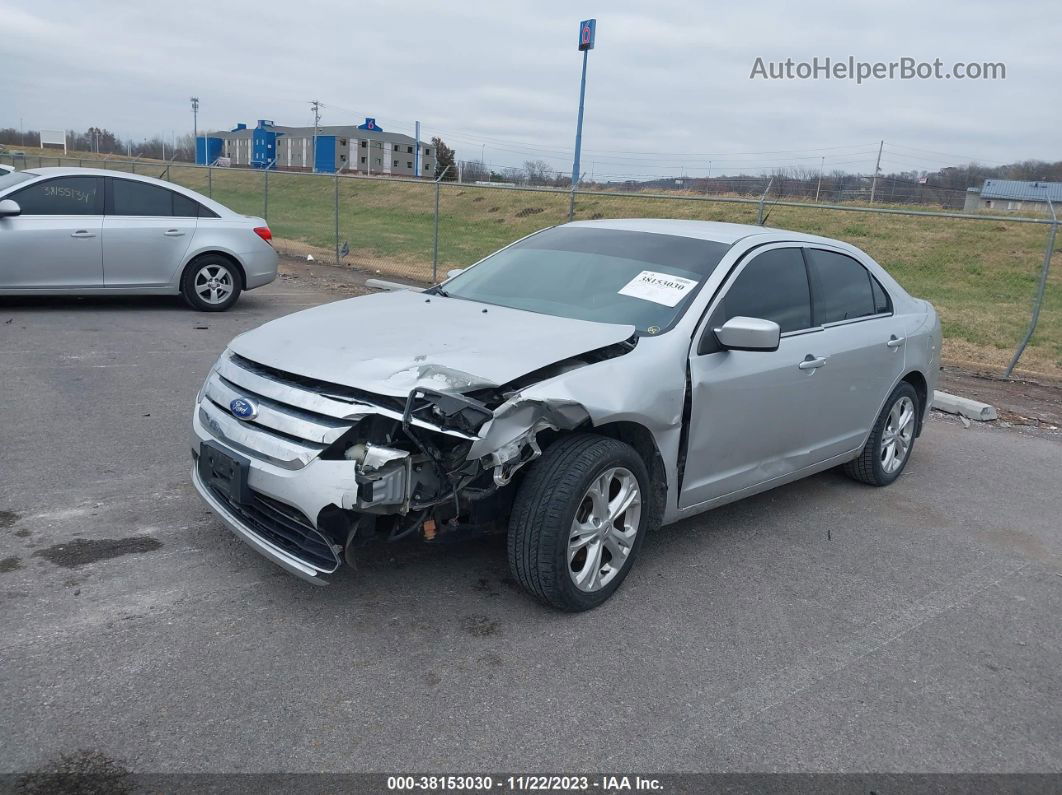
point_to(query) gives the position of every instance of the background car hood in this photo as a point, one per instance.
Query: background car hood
(389, 343)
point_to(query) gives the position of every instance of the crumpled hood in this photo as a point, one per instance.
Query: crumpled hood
(389, 343)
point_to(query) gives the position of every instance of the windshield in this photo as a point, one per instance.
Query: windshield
(14, 178)
(607, 275)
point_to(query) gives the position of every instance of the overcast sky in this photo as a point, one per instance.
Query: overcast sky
(668, 84)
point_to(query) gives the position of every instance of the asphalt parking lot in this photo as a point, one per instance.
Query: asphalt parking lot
(825, 626)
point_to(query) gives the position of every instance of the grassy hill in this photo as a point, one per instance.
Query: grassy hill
(981, 275)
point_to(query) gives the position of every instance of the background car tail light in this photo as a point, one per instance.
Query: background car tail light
(264, 233)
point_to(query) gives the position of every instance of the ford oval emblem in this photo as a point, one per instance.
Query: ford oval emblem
(243, 409)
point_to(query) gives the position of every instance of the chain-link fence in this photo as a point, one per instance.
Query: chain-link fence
(988, 275)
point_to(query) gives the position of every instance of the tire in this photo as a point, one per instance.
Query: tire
(555, 494)
(875, 465)
(208, 277)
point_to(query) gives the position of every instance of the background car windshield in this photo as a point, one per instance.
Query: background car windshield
(607, 275)
(14, 178)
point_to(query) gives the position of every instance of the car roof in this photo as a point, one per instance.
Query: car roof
(76, 171)
(719, 231)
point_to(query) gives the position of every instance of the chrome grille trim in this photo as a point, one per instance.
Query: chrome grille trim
(285, 419)
(256, 441)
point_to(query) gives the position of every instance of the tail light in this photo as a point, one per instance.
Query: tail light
(264, 233)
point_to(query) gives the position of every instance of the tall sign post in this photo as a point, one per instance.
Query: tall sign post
(587, 29)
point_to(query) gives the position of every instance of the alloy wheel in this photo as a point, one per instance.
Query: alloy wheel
(603, 529)
(897, 435)
(213, 283)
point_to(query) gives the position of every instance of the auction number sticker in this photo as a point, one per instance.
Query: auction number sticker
(660, 288)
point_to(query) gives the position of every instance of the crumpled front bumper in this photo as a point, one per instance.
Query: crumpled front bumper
(308, 490)
(255, 541)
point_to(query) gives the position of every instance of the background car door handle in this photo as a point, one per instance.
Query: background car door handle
(895, 342)
(173, 233)
(82, 233)
(812, 363)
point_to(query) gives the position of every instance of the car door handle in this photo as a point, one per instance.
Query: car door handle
(895, 342)
(173, 233)
(82, 233)
(811, 363)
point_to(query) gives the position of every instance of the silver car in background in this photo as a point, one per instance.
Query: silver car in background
(83, 231)
(574, 390)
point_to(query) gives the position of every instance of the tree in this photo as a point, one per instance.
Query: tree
(444, 156)
(538, 172)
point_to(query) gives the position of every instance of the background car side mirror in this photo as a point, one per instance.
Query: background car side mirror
(9, 208)
(453, 272)
(749, 334)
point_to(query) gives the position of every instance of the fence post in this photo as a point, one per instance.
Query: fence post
(337, 218)
(435, 238)
(1039, 300)
(210, 181)
(763, 198)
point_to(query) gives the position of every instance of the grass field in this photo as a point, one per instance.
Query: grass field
(981, 275)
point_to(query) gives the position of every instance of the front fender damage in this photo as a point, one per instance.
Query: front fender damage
(510, 438)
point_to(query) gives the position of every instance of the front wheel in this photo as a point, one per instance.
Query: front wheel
(211, 284)
(889, 446)
(578, 521)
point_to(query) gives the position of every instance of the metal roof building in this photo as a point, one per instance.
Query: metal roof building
(1014, 196)
(364, 149)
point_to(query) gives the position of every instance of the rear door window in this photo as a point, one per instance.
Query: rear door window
(62, 196)
(139, 198)
(842, 287)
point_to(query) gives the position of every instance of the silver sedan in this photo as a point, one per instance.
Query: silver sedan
(83, 231)
(574, 390)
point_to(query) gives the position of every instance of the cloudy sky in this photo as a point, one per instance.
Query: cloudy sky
(669, 85)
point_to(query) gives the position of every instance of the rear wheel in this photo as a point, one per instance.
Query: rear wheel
(211, 283)
(578, 521)
(889, 446)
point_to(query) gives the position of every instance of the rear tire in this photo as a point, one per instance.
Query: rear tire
(888, 448)
(578, 521)
(211, 283)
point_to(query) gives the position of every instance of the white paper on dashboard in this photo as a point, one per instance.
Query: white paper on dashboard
(660, 288)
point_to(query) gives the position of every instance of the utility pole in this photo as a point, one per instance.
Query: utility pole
(316, 105)
(877, 168)
(195, 131)
(708, 178)
(587, 30)
(822, 164)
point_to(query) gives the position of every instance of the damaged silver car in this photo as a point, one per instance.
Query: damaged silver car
(575, 390)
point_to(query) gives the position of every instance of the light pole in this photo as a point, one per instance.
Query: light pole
(195, 131)
(587, 31)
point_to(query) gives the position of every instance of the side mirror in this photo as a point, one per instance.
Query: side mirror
(453, 272)
(749, 334)
(9, 208)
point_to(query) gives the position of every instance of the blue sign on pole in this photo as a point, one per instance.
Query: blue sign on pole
(587, 28)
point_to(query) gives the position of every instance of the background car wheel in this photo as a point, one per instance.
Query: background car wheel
(889, 446)
(578, 521)
(211, 284)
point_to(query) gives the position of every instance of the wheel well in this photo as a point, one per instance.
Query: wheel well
(235, 262)
(921, 388)
(641, 439)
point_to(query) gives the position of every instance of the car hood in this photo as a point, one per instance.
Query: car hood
(389, 343)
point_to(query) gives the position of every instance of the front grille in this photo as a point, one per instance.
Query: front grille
(294, 423)
(282, 526)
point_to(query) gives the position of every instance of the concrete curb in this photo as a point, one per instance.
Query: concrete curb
(383, 284)
(964, 407)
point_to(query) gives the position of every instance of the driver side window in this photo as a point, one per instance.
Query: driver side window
(772, 286)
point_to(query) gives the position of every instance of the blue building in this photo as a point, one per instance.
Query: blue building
(361, 149)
